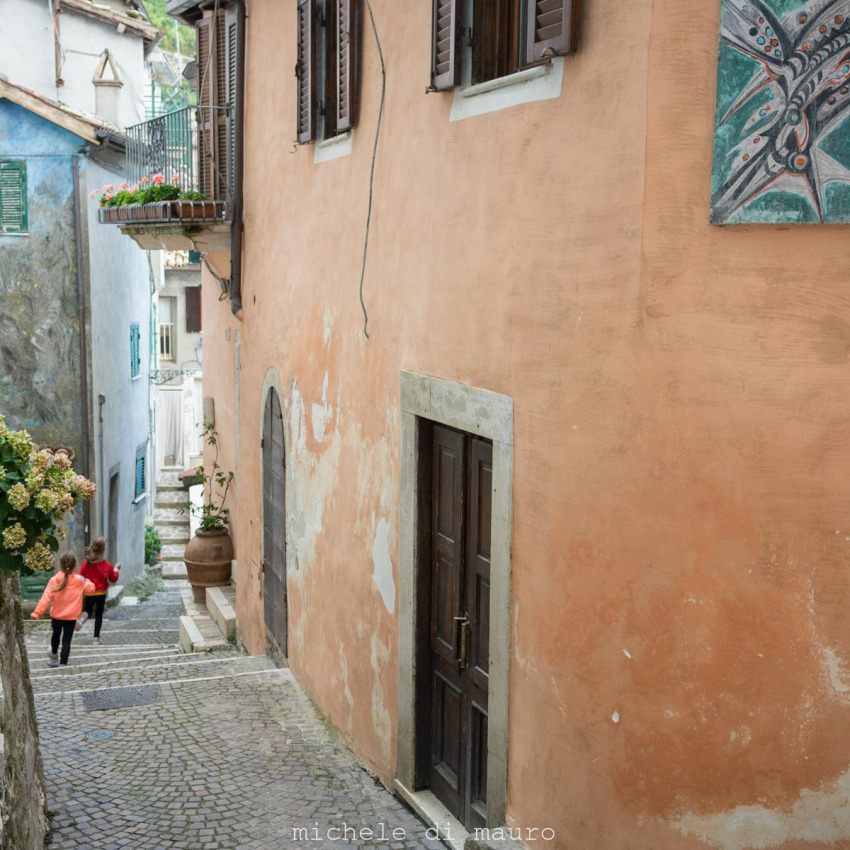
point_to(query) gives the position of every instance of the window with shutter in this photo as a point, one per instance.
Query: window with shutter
(216, 57)
(550, 28)
(305, 70)
(140, 471)
(445, 44)
(135, 350)
(193, 309)
(13, 197)
(495, 42)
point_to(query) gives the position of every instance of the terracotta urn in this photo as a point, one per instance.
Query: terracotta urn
(208, 555)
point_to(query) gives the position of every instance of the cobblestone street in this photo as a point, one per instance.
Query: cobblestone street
(233, 756)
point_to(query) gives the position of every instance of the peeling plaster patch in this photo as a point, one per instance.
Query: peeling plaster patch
(328, 324)
(382, 575)
(616, 716)
(314, 479)
(343, 667)
(520, 658)
(380, 716)
(322, 414)
(668, 712)
(818, 817)
(742, 732)
(627, 653)
(835, 671)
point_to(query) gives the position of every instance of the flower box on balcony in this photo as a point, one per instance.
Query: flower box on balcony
(164, 211)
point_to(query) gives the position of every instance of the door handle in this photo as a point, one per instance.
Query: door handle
(462, 642)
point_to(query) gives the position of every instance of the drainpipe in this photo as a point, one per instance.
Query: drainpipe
(81, 318)
(238, 167)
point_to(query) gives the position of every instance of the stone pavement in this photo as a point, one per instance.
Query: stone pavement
(235, 756)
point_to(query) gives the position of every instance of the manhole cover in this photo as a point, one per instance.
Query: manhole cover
(100, 734)
(121, 697)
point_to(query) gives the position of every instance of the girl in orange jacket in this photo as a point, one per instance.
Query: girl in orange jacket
(64, 593)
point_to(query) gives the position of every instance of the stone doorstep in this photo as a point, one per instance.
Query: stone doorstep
(163, 517)
(198, 630)
(221, 602)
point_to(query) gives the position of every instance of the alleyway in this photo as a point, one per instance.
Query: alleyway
(232, 756)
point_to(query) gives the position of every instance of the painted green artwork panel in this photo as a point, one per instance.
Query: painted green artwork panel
(782, 129)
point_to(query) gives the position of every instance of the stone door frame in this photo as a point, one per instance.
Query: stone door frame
(489, 415)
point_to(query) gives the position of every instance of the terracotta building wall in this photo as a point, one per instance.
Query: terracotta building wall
(678, 635)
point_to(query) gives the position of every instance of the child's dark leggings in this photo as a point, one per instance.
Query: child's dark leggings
(93, 606)
(65, 628)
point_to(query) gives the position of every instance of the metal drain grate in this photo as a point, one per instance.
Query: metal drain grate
(121, 697)
(100, 734)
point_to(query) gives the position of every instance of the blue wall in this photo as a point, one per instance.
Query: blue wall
(40, 387)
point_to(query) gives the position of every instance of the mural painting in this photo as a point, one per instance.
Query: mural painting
(782, 137)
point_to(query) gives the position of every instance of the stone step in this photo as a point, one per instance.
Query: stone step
(172, 551)
(170, 516)
(174, 534)
(174, 571)
(113, 638)
(80, 679)
(97, 657)
(198, 630)
(171, 499)
(221, 604)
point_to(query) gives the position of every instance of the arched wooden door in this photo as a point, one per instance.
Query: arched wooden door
(274, 521)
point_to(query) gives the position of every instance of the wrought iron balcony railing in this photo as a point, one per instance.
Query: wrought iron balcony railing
(192, 147)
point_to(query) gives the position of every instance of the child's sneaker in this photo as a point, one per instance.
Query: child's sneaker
(81, 622)
(52, 658)
(97, 640)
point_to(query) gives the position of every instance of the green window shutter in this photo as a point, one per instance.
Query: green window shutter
(140, 474)
(135, 350)
(13, 196)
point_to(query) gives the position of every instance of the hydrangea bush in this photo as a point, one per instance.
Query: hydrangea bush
(37, 490)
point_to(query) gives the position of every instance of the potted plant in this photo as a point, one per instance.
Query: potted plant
(209, 553)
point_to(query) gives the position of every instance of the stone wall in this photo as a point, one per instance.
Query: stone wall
(23, 817)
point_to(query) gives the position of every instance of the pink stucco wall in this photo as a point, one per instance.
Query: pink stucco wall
(680, 496)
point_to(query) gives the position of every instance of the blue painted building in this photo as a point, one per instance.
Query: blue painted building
(74, 312)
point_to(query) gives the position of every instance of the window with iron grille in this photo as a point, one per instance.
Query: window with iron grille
(135, 350)
(13, 197)
(505, 35)
(140, 470)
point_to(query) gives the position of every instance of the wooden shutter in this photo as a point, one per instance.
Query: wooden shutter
(13, 197)
(206, 76)
(140, 474)
(344, 34)
(305, 70)
(206, 71)
(231, 27)
(193, 309)
(550, 28)
(445, 44)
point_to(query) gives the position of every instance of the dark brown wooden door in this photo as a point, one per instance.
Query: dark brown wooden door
(274, 521)
(460, 621)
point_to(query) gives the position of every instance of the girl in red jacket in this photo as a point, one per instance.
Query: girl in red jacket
(64, 595)
(100, 572)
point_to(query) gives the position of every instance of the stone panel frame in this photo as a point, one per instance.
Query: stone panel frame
(488, 415)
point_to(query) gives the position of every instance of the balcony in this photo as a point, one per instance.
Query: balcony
(192, 147)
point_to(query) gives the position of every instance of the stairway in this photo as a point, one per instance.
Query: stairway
(203, 627)
(171, 519)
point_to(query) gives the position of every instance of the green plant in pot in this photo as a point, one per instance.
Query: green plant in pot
(210, 551)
